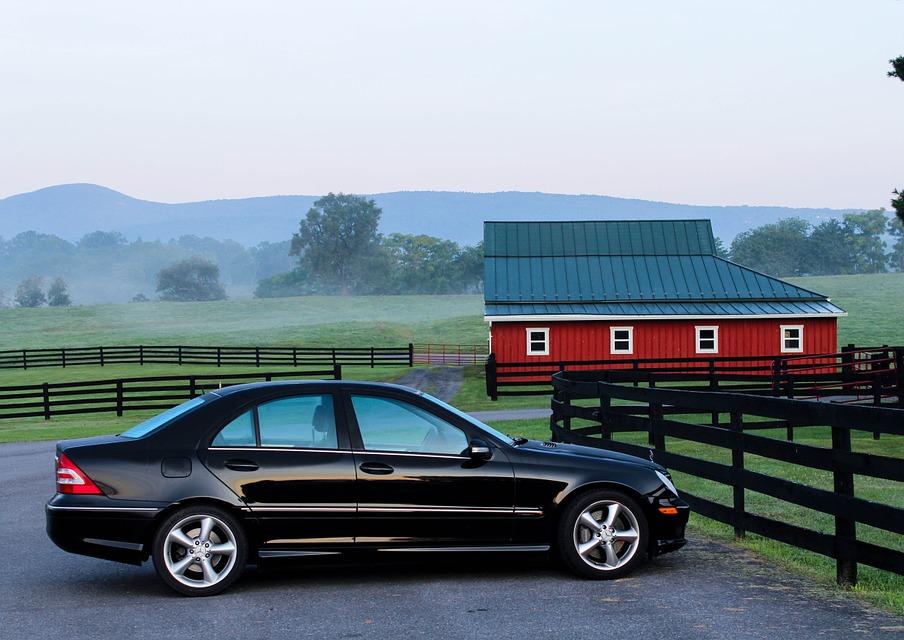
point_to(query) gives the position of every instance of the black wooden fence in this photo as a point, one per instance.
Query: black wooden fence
(855, 375)
(129, 394)
(698, 417)
(203, 355)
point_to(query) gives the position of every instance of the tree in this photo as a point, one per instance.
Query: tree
(58, 294)
(193, 279)
(139, 297)
(469, 263)
(721, 251)
(423, 264)
(779, 249)
(896, 257)
(864, 232)
(830, 252)
(338, 242)
(897, 71)
(102, 240)
(30, 292)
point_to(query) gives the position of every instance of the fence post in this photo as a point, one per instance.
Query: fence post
(179, 354)
(219, 356)
(490, 371)
(191, 387)
(119, 398)
(737, 471)
(45, 388)
(141, 354)
(410, 354)
(334, 356)
(605, 406)
(337, 372)
(257, 356)
(845, 529)
(371, 357)
(63, 356)
(847, 363)
(655, 436)
(899, 375)
(100, 351)
(295, 356)
(713, 385)
(24, 359)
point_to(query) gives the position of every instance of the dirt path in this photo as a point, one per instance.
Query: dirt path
(442, 382)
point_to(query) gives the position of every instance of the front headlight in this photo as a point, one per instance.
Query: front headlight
(667, 482)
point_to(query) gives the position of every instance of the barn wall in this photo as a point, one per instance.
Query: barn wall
(589, 340)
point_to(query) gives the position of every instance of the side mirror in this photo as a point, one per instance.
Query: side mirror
(480, 450)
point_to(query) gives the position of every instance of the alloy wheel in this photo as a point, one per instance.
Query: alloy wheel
(606, 535)
(199, 551)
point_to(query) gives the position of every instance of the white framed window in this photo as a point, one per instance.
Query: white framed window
(707, 339)
(792, 338)
(621, 340)
(537, 341)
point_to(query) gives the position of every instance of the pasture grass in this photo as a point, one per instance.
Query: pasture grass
(882, 588)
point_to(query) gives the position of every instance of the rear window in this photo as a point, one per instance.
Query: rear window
(144, 428)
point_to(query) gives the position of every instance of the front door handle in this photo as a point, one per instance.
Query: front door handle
(242, 465)
(376, 468)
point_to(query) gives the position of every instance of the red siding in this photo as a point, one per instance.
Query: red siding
(589, 340)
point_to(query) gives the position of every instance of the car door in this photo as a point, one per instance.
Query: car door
(417, 484)
(289, 459)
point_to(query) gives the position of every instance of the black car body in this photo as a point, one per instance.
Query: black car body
(333, 484)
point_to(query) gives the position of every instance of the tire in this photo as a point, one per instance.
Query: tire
(195, 562)
(599, 553)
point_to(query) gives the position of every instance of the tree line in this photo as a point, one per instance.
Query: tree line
(793, 247)
(339, 250)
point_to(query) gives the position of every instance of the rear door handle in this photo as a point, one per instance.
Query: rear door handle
(242, 465)
(376, 468)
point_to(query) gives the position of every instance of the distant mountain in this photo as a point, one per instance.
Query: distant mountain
(71, 210)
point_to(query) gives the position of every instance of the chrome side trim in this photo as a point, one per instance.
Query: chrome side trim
(287, 553)
(416, 509)
(358, 451)
(490, 548)
(296, 449)
(446, 456)
(116, 544)
(304, 509)
(54, 507)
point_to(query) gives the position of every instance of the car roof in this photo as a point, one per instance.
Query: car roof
(300, 385)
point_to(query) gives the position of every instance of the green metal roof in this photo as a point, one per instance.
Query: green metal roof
(548, 268)
(599, 238)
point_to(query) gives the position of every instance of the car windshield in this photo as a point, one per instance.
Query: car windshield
(477, 423)
(144, 428)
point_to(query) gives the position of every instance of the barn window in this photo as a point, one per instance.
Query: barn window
(537, 341)
(792, 338)
(621, 339)
(707, 339)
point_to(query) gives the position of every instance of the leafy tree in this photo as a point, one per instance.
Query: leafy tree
(139, 297)
(897, 71)
(779, 249)
(338, 242)
(864, 233)
(58, 294)
(102, 240)
(469, 263)
(721, 251)
(423, 264)
(831, 251)
(896, 231)
(193, 279)
(30, 292)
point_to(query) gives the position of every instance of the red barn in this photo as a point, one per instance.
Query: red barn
(638, 289)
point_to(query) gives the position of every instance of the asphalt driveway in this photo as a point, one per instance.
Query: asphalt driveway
(704, 591)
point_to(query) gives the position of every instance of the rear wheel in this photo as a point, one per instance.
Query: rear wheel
(603, 535)
(200, 550)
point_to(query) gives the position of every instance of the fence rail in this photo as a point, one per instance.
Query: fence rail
(206, 355)
(452, 354)
(119, 395)
(697, 417)
(855, 375)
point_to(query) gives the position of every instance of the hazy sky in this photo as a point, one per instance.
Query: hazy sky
(762, 102)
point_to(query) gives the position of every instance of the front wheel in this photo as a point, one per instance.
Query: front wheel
(603, 535)
(199, 550)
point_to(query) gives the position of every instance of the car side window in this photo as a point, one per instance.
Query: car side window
(387, 424)
(238, 433)
(307, 422)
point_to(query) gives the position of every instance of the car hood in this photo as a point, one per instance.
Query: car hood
(563, 450)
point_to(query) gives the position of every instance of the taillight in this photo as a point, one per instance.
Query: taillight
(71, 479)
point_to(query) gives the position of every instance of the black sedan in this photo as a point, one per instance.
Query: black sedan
(293, 469)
